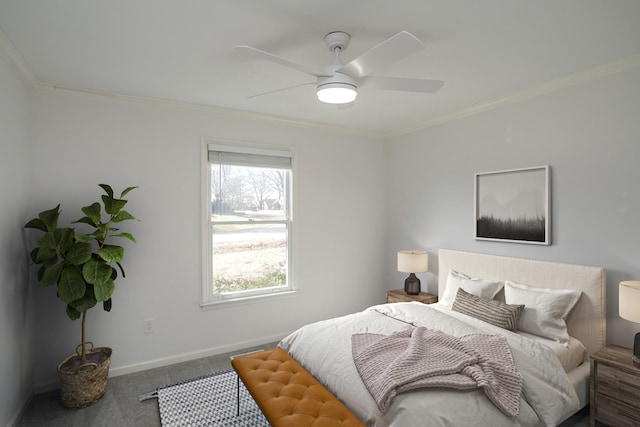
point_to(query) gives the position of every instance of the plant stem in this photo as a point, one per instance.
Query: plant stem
(84, 317)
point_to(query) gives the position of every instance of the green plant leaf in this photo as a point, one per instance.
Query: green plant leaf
(64, 238)
(71, 285)
(106, 305)
(95, 271)
(93, 212)
(107, 188)
(123, 216)
(47, 241)
(104, 290)
(46, 248)
(41, 272)
(52, 274)
(86, 302)
(79, 253)
(111, 253)
(99, 234)
(46, 221)
(47, 262)
(84, 238)
(126, 190)
(84, 220)
(33, 255)
(50, 218)
(50, 262)
(37, 223)
(72, 313)
(127, 236)
(113, 206)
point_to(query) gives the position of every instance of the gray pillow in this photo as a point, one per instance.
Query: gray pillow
(488, 310)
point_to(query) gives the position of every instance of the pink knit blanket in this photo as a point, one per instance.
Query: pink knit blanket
(420, 357)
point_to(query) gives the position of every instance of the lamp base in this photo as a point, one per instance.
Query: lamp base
(412, 285)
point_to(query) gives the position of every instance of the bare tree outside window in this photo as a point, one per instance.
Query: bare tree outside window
(249, 228)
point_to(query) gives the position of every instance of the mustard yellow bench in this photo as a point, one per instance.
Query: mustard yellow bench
(287, 394)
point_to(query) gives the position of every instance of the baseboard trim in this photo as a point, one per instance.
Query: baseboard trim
(185, 357)
(116, 371)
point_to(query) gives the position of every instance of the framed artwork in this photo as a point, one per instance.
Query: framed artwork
(513, 206)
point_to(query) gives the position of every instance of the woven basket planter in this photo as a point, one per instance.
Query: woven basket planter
(82, 383)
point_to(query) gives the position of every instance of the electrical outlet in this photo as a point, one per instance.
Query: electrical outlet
(149, 326)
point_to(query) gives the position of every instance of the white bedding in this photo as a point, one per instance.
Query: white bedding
(324, 349)
(571, 355)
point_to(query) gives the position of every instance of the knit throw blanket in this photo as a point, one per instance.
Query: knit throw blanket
(420, 357)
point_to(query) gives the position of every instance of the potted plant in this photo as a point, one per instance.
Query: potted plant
(83, 268)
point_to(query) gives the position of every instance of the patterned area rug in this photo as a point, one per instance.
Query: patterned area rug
(211, 400)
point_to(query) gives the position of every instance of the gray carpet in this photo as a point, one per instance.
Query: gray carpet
(121, 405)
(213, 400)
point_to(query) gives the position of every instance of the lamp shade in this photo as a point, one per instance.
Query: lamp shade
(413, 261)
(630, 301)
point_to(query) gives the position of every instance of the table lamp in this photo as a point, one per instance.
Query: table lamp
(630, 310)
(412, 262)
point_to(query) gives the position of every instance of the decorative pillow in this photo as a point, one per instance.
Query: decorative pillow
(545, 309)
(488, 310)
(477, 287)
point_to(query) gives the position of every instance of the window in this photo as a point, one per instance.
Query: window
(248, 223)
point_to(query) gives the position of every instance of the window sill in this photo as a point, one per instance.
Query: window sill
(213, 305)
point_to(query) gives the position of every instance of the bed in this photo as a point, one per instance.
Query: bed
(554, 371)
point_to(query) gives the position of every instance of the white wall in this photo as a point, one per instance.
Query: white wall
(590, 136)
(339, 219)
(16, 314)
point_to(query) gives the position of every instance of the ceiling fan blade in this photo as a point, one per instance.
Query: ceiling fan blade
(281, 89)
(278, 60)
(402, 84)
(391, 50)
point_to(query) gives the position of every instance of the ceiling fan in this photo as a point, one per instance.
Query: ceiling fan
(338, 83)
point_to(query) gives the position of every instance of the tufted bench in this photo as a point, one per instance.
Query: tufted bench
(287, 394)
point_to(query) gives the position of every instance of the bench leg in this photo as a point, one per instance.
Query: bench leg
(238, 414)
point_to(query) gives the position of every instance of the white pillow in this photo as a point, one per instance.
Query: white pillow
(478, 287)
(545, 310)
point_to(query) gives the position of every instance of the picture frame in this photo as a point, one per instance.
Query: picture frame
(513, 205)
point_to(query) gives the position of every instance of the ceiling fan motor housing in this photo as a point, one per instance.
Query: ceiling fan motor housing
(336, 78)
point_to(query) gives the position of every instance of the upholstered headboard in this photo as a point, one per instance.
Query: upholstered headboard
(587, 320)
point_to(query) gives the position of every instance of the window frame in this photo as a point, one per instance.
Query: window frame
(209, 299)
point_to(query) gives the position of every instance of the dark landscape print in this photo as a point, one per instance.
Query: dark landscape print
(528, 229)
(512, 205)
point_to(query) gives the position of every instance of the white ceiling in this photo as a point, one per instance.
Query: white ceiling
(183, 50)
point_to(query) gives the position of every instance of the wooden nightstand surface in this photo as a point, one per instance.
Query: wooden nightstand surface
(399, 295)
(615, 388)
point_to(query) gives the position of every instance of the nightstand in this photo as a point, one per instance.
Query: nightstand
(615, 388)
(399, 295)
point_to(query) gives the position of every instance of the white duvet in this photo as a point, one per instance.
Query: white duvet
(324, 349)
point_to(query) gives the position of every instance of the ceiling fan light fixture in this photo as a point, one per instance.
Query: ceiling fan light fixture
(337, 93)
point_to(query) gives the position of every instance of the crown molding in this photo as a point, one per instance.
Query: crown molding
(209, 109)
(12, 56)
(624, 64)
